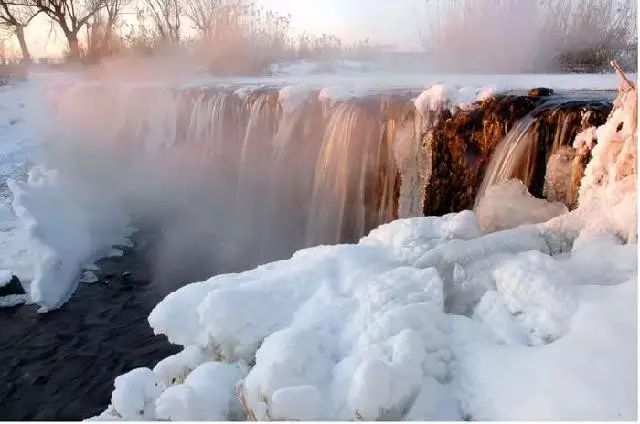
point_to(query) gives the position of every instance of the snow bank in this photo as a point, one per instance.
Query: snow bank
(364, 331)
(21, 125)
(425, 318)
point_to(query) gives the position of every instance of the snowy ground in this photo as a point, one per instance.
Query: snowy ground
(21, 130)
(425, 318)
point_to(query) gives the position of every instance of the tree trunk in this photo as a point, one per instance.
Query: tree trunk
(26, 57)
(74, 47)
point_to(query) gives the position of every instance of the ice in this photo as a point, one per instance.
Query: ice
(301, 402)
(588, 374)
(12, 300)
(441, 96)
(175, 369)
(530, 286)
(291, 97)
(64, 231)
(115, 253)
(91, 267)
(88, 277)
(409, 238)
(135, 393)
(5, 277)
(208, 394)
(509, 204)
(608, 195)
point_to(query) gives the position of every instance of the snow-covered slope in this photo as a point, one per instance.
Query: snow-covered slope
(425, 318)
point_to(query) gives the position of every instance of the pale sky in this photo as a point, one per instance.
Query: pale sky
(395, 22)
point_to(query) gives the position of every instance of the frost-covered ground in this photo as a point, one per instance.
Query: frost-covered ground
(425, 318)
(21, 129)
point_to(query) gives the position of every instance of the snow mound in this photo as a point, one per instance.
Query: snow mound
(206, 395)
(367, 331)
(509, 204)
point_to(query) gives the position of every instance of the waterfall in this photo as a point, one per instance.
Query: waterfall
(540, 140)
(513, 157)
(353, 177)
(257, 176)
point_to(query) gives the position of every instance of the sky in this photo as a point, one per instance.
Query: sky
(394, 22)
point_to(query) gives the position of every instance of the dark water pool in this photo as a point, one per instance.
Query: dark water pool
(61, 365)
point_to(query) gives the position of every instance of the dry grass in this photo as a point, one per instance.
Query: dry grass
(525, 35)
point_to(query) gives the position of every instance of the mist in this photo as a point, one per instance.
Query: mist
(198, 188)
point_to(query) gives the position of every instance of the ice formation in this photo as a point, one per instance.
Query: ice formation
(66, 231)
(425, 318)
(509, 204)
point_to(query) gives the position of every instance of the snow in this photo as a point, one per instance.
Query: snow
(208, 394)
(5, 277)
(610, 180)
(441, 96)
(21, 126)
(509, 204)
(290, 97)
(115, 253)
(12, 300)
(88, 277)
(135, 393)
(65, 231)
(534, 318)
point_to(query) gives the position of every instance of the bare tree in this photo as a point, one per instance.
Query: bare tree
(166, 18)
(71, 16)
(113, 10)
(15, 17)
(543, 34)
(101, 29)
(213, 17)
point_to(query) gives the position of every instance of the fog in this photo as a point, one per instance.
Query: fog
(195, 171)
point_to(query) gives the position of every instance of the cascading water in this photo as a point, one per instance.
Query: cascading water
(354, 176)
(543, 136)
(253, 177)
(261, 180)
(513, 157)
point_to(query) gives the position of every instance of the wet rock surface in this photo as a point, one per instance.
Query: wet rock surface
(463, 143)
(14, 286)
(61, 365)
